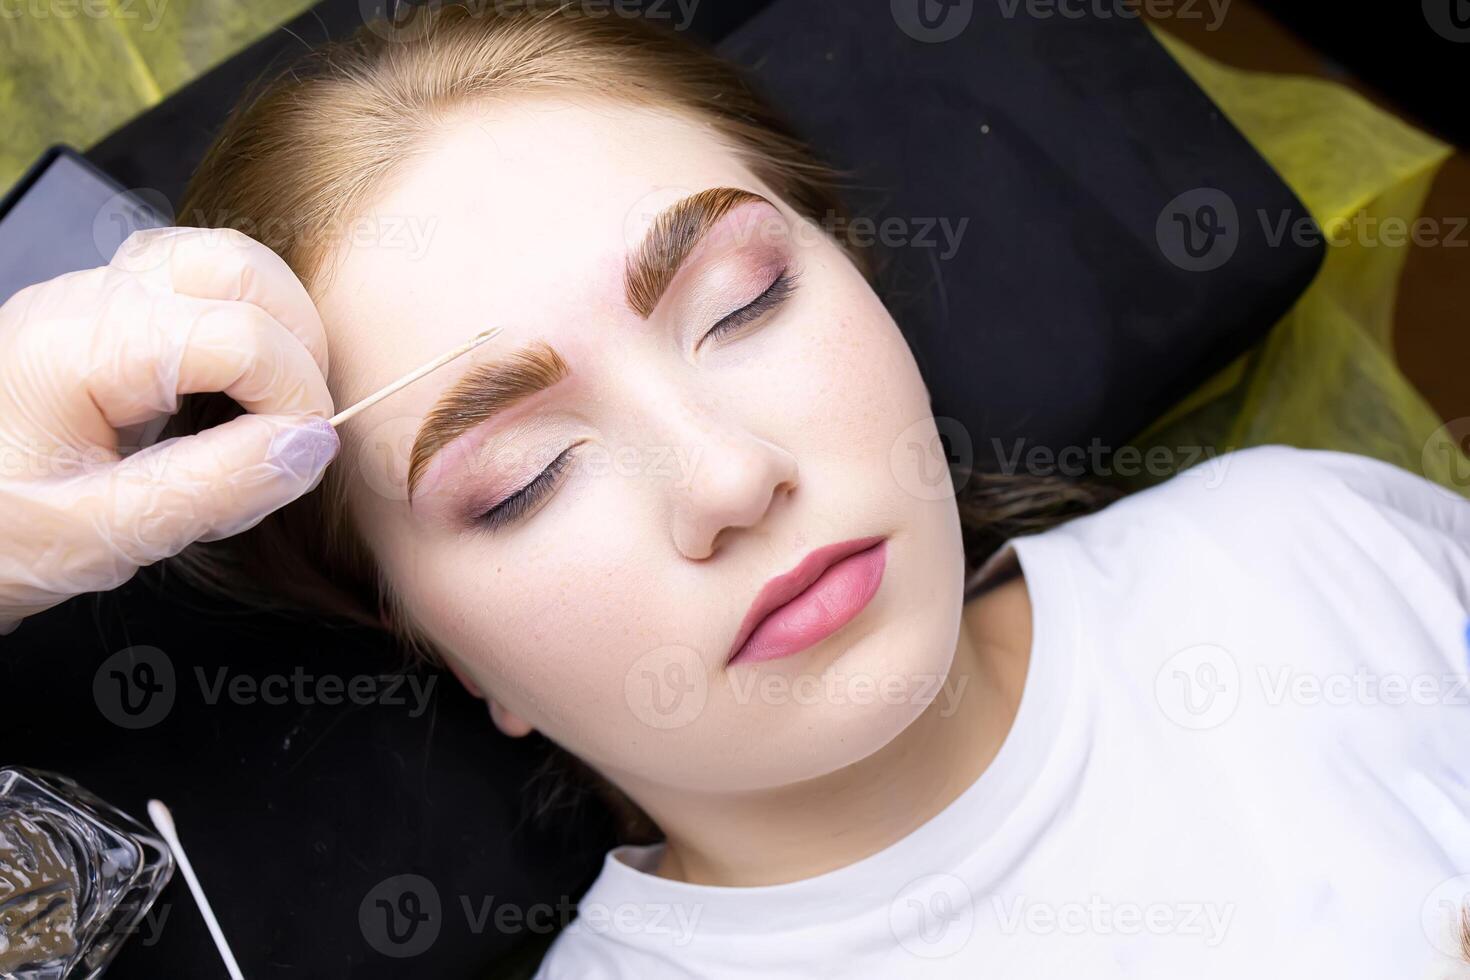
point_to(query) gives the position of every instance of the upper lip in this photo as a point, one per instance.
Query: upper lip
(787, 586)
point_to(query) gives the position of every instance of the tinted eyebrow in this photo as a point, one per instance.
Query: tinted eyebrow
(487, 389)
(670, 238)
(480, 393)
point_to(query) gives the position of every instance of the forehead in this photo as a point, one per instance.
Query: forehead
(517, 215)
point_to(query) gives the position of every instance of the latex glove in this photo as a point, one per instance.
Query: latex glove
(178, 310)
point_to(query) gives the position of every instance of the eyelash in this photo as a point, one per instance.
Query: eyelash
(774, 295)
(517, 504)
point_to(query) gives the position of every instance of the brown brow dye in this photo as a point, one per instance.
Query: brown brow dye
(76, 877)
(38, 892)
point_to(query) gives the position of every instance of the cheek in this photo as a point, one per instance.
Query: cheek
(540, 620)
(851, 375)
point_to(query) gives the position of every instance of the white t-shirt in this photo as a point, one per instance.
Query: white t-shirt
(1242, 751)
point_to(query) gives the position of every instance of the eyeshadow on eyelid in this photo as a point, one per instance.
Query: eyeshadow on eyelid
(734, 276)
(474, 464)
(735, 259)
(676, 233)
(754, 225)
(500, 458)
(493, 389)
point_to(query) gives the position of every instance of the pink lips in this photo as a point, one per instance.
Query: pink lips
(815, 599)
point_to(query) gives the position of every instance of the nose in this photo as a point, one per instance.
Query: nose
(736, 477)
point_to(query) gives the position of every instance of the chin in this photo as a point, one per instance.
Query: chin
(909, 647)
(907, 655)
(912, 652)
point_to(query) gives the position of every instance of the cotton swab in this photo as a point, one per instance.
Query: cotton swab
(413, 376)
(164, 821)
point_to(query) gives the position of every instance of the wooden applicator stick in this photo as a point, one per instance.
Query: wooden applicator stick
(413, 376)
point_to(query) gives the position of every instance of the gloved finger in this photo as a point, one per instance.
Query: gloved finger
(139, 365)
(208, 485)
(241, 350)
(225, 264)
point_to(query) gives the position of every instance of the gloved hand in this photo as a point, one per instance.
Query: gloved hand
(178, 310)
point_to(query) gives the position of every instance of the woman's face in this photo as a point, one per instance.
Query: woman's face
(693, 467)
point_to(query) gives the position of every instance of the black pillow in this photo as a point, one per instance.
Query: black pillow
(1076, 156)
(1065, 313)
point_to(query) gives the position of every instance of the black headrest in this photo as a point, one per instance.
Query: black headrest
(1071, 216)
(1042, 173)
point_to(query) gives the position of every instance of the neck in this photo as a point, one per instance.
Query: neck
(829, 822)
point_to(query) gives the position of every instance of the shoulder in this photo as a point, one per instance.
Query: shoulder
(1295, 472)
(609, 941)
(1297, 521)
(577, 955)
(1281, 490)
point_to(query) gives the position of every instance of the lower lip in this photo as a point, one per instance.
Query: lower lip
(823, 608)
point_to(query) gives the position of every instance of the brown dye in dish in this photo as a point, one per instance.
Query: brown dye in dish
(38, 892)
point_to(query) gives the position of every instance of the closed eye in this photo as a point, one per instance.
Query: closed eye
(518, 504)
(774, 295)
(515, 506)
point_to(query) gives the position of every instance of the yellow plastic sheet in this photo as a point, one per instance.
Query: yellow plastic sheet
(71, 71)
(1325, 377)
